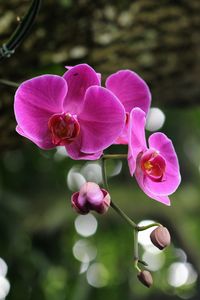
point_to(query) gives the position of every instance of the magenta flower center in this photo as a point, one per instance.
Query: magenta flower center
(153, 165)
(64, 128)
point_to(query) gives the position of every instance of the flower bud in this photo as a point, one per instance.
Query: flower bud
(90, 197)
(160, 237)
(145, 278)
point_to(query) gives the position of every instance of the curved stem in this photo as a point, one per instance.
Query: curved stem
(113, 205)
(118, 210)
(21, 31)
(122, 214)
(9, 83)
(142, 228)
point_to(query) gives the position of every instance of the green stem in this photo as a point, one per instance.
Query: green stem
(122, 214)
(114, 156)
(113, 205)
(141, 228)
(104, 175)
(9, 83)
(135, 249)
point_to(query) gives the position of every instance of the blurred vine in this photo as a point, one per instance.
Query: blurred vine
(8, 48)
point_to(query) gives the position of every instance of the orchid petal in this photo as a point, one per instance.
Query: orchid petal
(35, 101)
(41, 143)
(79, 79)
(130, 89)
(140, 177)
(172, 178)
(136, 135)
(101, 120)
(74, 151)
(98, 74)
(123, 138)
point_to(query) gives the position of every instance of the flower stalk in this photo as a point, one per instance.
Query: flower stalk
(118, 210)
(9, 83)
(114, 156)
(21, 31)
(122, 214)
(135, 250)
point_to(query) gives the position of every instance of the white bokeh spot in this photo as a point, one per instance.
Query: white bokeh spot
(155, 119)
(75, 179)
(84, 251)
(97, 275)
(180, 274)
(86, 225)
(144, 236)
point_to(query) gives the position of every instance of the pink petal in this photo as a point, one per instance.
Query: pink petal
(98, 74)
(99, 77)
(172, 178)
(44, 143)
(75, 153)
(130, 89)
(136, 136)
(123, 138)
(78, 78)
(101, 120)
(35, 101)
(140, 177)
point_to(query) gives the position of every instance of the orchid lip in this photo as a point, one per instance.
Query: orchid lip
(153, 165)
(64, 128)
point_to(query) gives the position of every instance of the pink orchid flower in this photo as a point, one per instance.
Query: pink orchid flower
(156, 168)
(71, 111)
(132, 91)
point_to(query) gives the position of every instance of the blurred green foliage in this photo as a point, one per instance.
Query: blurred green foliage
(37, 223)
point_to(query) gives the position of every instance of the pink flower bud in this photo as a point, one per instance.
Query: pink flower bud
(145, 278)
(160, 237)
(90, 197)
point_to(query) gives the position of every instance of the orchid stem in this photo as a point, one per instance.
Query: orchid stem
(114, 156)
(142, 228)
(121, 213)
(104, 174)
(135, 250)
(9, 83)
(118, 210)
(22, 30)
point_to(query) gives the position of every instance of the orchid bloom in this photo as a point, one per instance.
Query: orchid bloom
(132, 91)
(156, 168)
(71, 111)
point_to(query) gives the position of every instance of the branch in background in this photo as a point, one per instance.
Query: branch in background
(9, 83)
(21, 31)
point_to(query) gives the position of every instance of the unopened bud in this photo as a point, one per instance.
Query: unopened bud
(145, 278)
(91, 197)
(160, 237)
